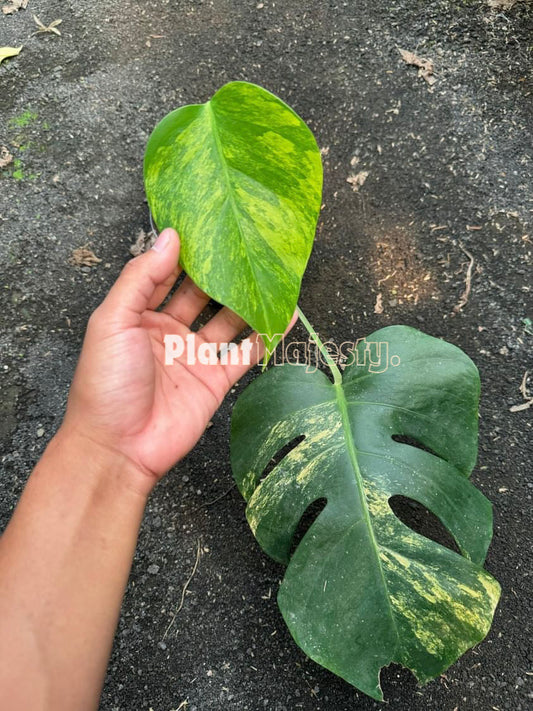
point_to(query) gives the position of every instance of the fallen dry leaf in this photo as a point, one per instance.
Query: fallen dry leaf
(6, 52)
(14, 6)
(425, 66)
(142, 243)
(52, 27)
(356, 181)
(378, 308)
(84, 257)
(5, 157)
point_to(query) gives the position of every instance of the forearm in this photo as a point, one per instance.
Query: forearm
(64, 563)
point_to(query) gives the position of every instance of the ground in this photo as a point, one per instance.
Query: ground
(448, 186)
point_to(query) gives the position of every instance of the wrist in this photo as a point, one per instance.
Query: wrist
(102, 465)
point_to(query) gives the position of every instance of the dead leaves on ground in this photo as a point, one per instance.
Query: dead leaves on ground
(52, 27)
(358, 180)
(84, 257)
(425, 66)
(7, 52)
(14, 6)
(5, 157)
(142, 243)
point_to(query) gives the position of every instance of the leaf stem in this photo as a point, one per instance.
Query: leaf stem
(337, 375)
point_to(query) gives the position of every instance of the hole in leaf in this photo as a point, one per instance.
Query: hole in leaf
(404, 439)
(276, 459)
(311, 513)
(421, 520)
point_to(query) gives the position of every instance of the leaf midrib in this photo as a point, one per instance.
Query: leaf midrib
(352, 454)
(231, 200)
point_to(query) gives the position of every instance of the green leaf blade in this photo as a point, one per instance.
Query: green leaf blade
(362, 589)
(240, 178)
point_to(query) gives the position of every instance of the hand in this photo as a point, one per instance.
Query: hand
(123, 396)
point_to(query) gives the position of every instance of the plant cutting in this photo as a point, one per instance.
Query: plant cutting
(240, 178)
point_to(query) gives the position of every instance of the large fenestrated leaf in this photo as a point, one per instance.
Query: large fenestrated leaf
(362, 589)
(240, 179)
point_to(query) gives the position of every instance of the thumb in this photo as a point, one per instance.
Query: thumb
(143, 280)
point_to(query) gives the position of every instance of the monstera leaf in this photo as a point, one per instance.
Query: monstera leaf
(240, 179)
(362, 589)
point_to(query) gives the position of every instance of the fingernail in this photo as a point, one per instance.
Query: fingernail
(162, 241)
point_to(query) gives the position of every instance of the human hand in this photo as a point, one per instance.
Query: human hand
(123, 396)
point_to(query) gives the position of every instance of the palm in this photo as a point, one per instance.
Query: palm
(184, 397)
(153, 412)
(123, 393)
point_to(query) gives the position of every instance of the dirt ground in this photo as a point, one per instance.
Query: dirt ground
(449, 185)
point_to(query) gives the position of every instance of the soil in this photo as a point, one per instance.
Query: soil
(449, 173)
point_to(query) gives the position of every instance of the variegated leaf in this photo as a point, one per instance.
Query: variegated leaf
(362, 589)
(240, 178)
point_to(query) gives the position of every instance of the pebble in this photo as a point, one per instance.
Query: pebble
(40, 432)
(153, 569)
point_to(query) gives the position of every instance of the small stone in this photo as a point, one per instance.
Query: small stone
(153, 569)
(161, 645)
(40, 432)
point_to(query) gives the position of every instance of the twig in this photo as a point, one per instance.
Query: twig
(184, 591)
(214, 501)
(313, 692)
(525, 394)
(389, 276)
(523, 386)
(468, 281)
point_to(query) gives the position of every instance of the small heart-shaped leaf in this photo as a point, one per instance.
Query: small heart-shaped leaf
(240, 179)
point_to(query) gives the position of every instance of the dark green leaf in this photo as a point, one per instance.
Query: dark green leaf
(240, 178)
(362, 589)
